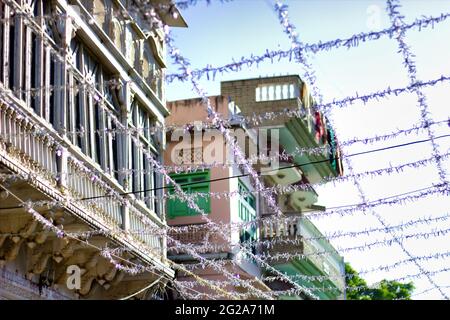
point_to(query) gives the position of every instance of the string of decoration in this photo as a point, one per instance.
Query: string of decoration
(277, 55)
(277, 189)
(257, 118)
(223, 126)
(290, 30)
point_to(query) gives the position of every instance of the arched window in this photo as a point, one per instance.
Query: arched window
(258, 94)
(117, 33)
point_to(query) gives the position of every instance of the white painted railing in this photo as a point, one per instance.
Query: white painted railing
(272, 229)
(33, 150)
(313, 245)
(82, 186)
(143, 232)
(36, 152)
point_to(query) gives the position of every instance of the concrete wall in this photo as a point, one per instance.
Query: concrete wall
(187, 112)
(243, 92)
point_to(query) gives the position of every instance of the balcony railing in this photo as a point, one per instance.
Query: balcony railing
(26, 289)
(194, 236)
(310, 244)
(23, 142)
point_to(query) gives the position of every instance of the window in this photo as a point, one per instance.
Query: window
(2, 37)
(272, 92)
(117, 33)
(189, 155)
(13, 58)
(278, 92)
(258, 94)
(285, 92)
(152, 72)
(27, 66)
(264, 93)
(293, 93)
(144, 179)
(89, 124)
(177, 207)
(247, 213)
(11, 52)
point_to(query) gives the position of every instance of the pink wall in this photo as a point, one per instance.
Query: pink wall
(188, 111)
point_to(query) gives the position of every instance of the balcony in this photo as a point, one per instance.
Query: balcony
(299, 128)
(206, 242)
(300, 134)
(194, 235)
(305, 245)
(48, 168)
(309, 139)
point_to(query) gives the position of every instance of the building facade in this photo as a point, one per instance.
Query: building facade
(313, 262)
(312, 155)
(81, 100)
(192, 147)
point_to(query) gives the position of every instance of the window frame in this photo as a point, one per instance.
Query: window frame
(249, 234)
(189, 177)
(85, 109)
(144, 176)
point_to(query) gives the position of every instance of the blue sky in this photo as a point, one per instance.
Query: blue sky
(219, 32)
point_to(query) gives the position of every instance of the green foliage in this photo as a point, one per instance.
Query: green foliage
(357, 288)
